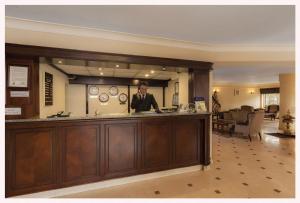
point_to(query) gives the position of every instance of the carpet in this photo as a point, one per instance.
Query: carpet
(281, 135)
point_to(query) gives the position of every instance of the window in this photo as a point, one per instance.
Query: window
(269, 96)
(268, 99)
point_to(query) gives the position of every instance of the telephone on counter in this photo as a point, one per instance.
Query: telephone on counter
(59, 114)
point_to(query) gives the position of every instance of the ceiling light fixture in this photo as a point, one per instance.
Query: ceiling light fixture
(146, 75)
(60, 61)
(117, 66)
(101, 73)
(152, 71)
(99, 68)
(163, 68)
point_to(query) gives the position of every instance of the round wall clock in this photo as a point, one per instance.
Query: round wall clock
(103, 97)
(113, 90)
(93, 90)
(123, 98)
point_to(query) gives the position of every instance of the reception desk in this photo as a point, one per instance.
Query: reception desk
(44, 154)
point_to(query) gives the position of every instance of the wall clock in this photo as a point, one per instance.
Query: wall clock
(93, 90)
(113, 91)
(123, 98)
(103, 97)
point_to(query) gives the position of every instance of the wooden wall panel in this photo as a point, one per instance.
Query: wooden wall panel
(29, 105)
(43, 155)
(186, 141)
(80, 153)
(156, 144)
(199, 85)
(121, 148)
(32, 159)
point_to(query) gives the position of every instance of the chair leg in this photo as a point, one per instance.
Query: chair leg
(259, 136)
(249, 137)
(231, 130)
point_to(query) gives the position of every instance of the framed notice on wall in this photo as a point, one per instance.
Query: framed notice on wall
(17, 76)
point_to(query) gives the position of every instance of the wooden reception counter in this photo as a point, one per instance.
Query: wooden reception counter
(44, 154)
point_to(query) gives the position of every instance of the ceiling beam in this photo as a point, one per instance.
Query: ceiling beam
(96, 80)
(50, 52)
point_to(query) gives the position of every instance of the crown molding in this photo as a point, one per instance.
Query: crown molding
(39, 26)
(246, 85)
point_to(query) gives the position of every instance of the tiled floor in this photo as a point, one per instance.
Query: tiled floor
(241, 169)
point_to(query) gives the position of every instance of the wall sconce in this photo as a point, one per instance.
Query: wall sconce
(216, 90)
(251, 92)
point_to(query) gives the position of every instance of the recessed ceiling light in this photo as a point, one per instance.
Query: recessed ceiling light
(163, 68)
(146, 75)
(136, 81)
(99, 68)
(59, 61)
(152, 71)
(101, 73)
(117, 66)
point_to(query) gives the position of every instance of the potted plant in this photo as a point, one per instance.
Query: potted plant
(288, 119)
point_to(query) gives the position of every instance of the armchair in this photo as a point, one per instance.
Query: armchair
(252, 126)
(272, 111)
(247, 108)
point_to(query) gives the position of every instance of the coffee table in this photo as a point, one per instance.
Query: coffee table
(223, 126)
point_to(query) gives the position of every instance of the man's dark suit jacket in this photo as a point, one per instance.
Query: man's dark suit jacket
(143, 104)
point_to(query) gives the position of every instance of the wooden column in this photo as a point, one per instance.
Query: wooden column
(128, 102)
(30, 105)
(199, 85)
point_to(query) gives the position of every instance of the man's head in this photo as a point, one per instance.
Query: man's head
(143, 86)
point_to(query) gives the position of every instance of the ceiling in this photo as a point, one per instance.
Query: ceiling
(216, 26)
(247, 24)
(251, 72)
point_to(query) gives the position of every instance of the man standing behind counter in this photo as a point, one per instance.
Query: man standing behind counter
(142, 101)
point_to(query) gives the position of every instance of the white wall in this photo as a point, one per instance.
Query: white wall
(76, 100)
(60, 81)
(183, 88)
(228, 100)
(169, 91)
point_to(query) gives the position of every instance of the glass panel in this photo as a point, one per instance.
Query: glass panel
(271, 99)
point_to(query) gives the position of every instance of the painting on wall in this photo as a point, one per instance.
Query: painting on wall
(236, 92)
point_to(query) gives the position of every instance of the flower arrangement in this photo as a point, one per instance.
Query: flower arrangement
(288, 119)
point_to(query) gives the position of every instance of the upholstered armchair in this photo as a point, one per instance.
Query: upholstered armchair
(272, 111)
(252, 126)
(236, 115)
(247, 108)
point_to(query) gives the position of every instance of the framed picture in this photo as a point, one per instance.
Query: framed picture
(236, 92)
(17, 76)
(176, 87)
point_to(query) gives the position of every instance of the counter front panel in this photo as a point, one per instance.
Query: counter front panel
(43, 155)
